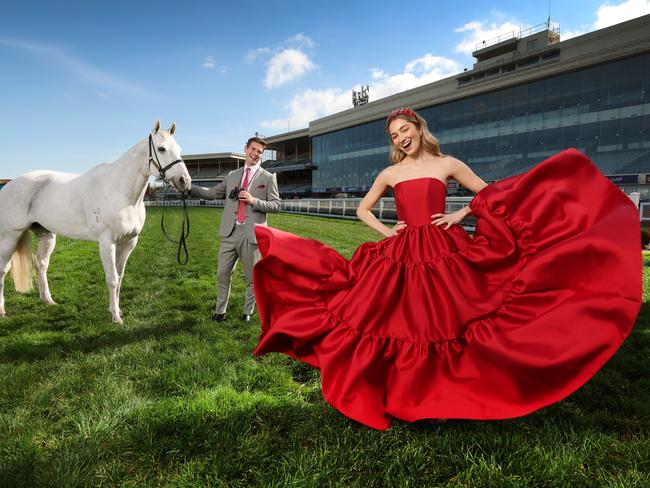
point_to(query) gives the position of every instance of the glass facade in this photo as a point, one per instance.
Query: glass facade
(349, 158)
(603, 111)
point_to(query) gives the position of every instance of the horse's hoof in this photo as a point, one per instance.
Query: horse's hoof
(118, 320)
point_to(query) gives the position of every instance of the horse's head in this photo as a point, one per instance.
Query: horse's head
(165, 158)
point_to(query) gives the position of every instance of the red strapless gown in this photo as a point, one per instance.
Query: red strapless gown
(434, 324)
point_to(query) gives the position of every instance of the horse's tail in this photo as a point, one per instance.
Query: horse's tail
(21, 264)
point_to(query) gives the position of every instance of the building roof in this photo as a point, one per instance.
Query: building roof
(287, 136)
(223, 155)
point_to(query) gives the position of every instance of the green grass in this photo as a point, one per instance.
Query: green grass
(171, 398)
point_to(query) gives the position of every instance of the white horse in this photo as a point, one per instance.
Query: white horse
(105, 205)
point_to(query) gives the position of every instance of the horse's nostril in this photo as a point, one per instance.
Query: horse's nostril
(182, 180)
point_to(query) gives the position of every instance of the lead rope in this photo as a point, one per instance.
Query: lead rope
(182, 244)
(185, 230)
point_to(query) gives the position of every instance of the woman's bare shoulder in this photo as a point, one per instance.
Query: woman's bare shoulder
(387, 175)
(451, 163)
(449, 159)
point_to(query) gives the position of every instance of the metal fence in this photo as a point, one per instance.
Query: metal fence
(341, 208)
(346, 208)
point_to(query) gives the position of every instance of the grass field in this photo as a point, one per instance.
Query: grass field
(172, 398)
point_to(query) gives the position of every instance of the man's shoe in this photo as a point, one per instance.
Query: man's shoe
(246, 317)
(219, 317)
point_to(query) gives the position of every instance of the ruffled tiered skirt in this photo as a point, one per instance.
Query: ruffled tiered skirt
(433, 323)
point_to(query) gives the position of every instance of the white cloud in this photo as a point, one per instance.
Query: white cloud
(377, 74)
(288, 61)
(313, 104)
(301, 39)
(286, 66)
(565, 36)
(608, 14)
(82, 70)
(297, 41)
(310, 105)
(477, 32)
(209, 62)
(427, 69)
(253, 54)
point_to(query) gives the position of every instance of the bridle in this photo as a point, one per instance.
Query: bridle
(182, 245)
(153, 159)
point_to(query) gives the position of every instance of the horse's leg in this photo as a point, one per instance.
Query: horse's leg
(107, 250)
(122, 255)
(4, 267)
(46, 243)
(8, 242)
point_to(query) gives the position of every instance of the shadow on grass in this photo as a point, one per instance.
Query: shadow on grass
(112, 337)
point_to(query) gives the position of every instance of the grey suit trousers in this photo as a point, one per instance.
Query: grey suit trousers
(237, 245)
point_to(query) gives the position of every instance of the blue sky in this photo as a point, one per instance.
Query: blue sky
(81, 82)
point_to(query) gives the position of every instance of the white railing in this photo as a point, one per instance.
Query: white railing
(644, 212)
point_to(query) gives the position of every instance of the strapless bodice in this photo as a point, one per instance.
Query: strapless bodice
(418, 199)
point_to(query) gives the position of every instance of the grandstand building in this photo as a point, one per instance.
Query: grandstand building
(528, 96)
(289, 156)
(205, 169)
(209, 169)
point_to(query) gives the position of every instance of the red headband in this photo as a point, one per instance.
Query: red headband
(400, 111)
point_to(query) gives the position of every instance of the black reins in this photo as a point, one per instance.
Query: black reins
(185, 230)
(185, 227)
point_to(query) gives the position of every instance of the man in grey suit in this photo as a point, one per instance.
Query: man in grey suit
(250, 193)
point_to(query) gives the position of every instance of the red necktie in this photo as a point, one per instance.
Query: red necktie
(241, 210)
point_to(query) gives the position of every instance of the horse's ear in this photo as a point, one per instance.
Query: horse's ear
(172, 129)
(156, 127)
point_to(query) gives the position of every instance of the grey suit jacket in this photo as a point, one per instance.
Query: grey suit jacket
(263, 188)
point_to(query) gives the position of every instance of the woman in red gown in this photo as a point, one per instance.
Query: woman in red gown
(432, 323)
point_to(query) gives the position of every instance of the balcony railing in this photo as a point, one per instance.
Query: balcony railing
(519, 34)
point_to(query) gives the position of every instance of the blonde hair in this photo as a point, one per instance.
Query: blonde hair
(429, 143)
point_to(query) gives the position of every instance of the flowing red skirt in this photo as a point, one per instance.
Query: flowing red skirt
(436, 324)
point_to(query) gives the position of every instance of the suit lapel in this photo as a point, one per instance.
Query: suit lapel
(238, 174)
(259, 179)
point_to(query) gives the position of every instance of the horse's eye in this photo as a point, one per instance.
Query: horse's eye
(161, 149)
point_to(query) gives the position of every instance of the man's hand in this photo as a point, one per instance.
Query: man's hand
(246, 197)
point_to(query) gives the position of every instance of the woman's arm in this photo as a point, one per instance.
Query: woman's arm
(466, 177)
(364, 210)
